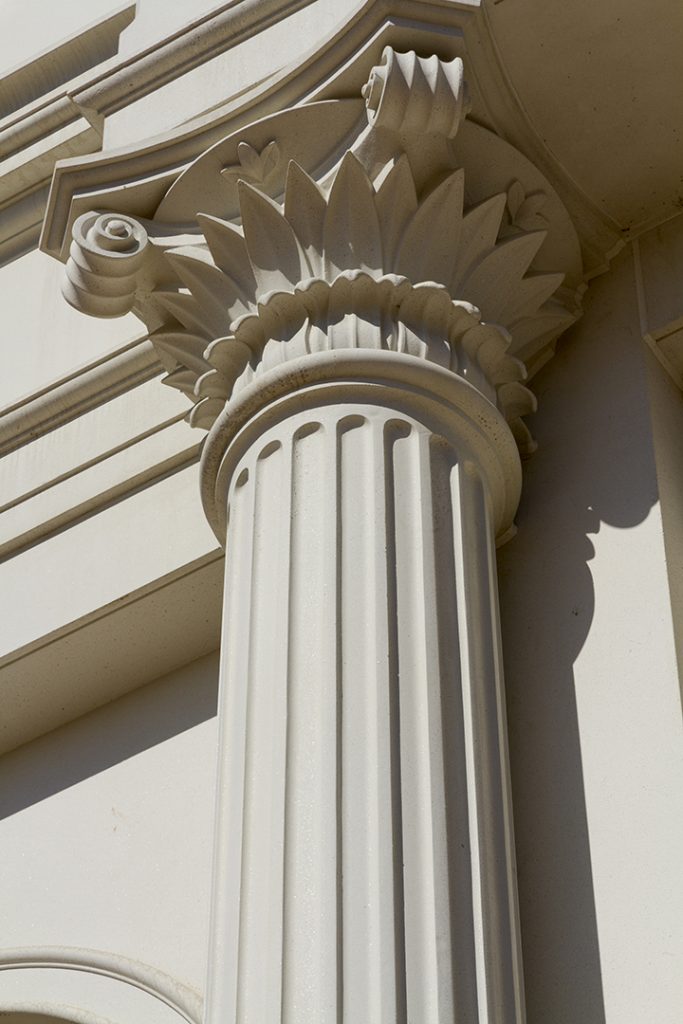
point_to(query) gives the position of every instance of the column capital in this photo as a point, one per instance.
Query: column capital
(385, 222)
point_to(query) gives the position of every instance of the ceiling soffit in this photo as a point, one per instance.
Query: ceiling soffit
(601, 84)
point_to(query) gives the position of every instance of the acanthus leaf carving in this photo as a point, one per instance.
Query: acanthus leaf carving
(524, 211)
(408, 294)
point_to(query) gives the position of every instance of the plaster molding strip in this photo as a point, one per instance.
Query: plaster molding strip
(22, 220)
(152, 68)
(81, 391)
(97, 460)
(182, 51)
(51, 68)
(102, 496)
(161, 583)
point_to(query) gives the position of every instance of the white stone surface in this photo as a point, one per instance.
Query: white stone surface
(228, 74)
(120, 556)
(593, 688)
(363, 848)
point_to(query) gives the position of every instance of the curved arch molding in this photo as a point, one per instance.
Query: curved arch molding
(90, 986)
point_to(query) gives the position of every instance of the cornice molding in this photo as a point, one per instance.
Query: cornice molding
(64, 400)
(335, 69)
(118, 646)
(40, 123)
(28, 84)
(175, 55)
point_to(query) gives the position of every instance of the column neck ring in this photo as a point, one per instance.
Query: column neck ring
(445, 402)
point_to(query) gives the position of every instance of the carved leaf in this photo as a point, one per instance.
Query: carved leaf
(396, 203)
(515, 199)
(351, 235)
(430, 243)
(228, 248)
(305, 209)
(252, 164)
(529, 296)
(270, 158)
(212, 289)
(206, 412)
(493, 282)
(276, 257)
(478, 236)
(183, 348)
(529, 215)
(186, 311)
(249, 159)
(532, 333)
(182, 380)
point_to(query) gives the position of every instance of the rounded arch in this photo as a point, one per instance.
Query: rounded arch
(31, 976)
(47, 1013)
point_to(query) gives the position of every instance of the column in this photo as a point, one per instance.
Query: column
(352, 342)
(364, 864)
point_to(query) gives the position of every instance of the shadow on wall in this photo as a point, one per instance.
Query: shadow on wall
(594, 466)
(109, 735)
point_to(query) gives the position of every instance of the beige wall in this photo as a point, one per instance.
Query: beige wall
(591, 674)
(32, 26)
(106, 828)
(44, 338)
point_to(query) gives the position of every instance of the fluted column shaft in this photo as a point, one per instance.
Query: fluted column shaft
(364, 868)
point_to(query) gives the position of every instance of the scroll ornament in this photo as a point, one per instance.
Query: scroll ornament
(106, 254)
